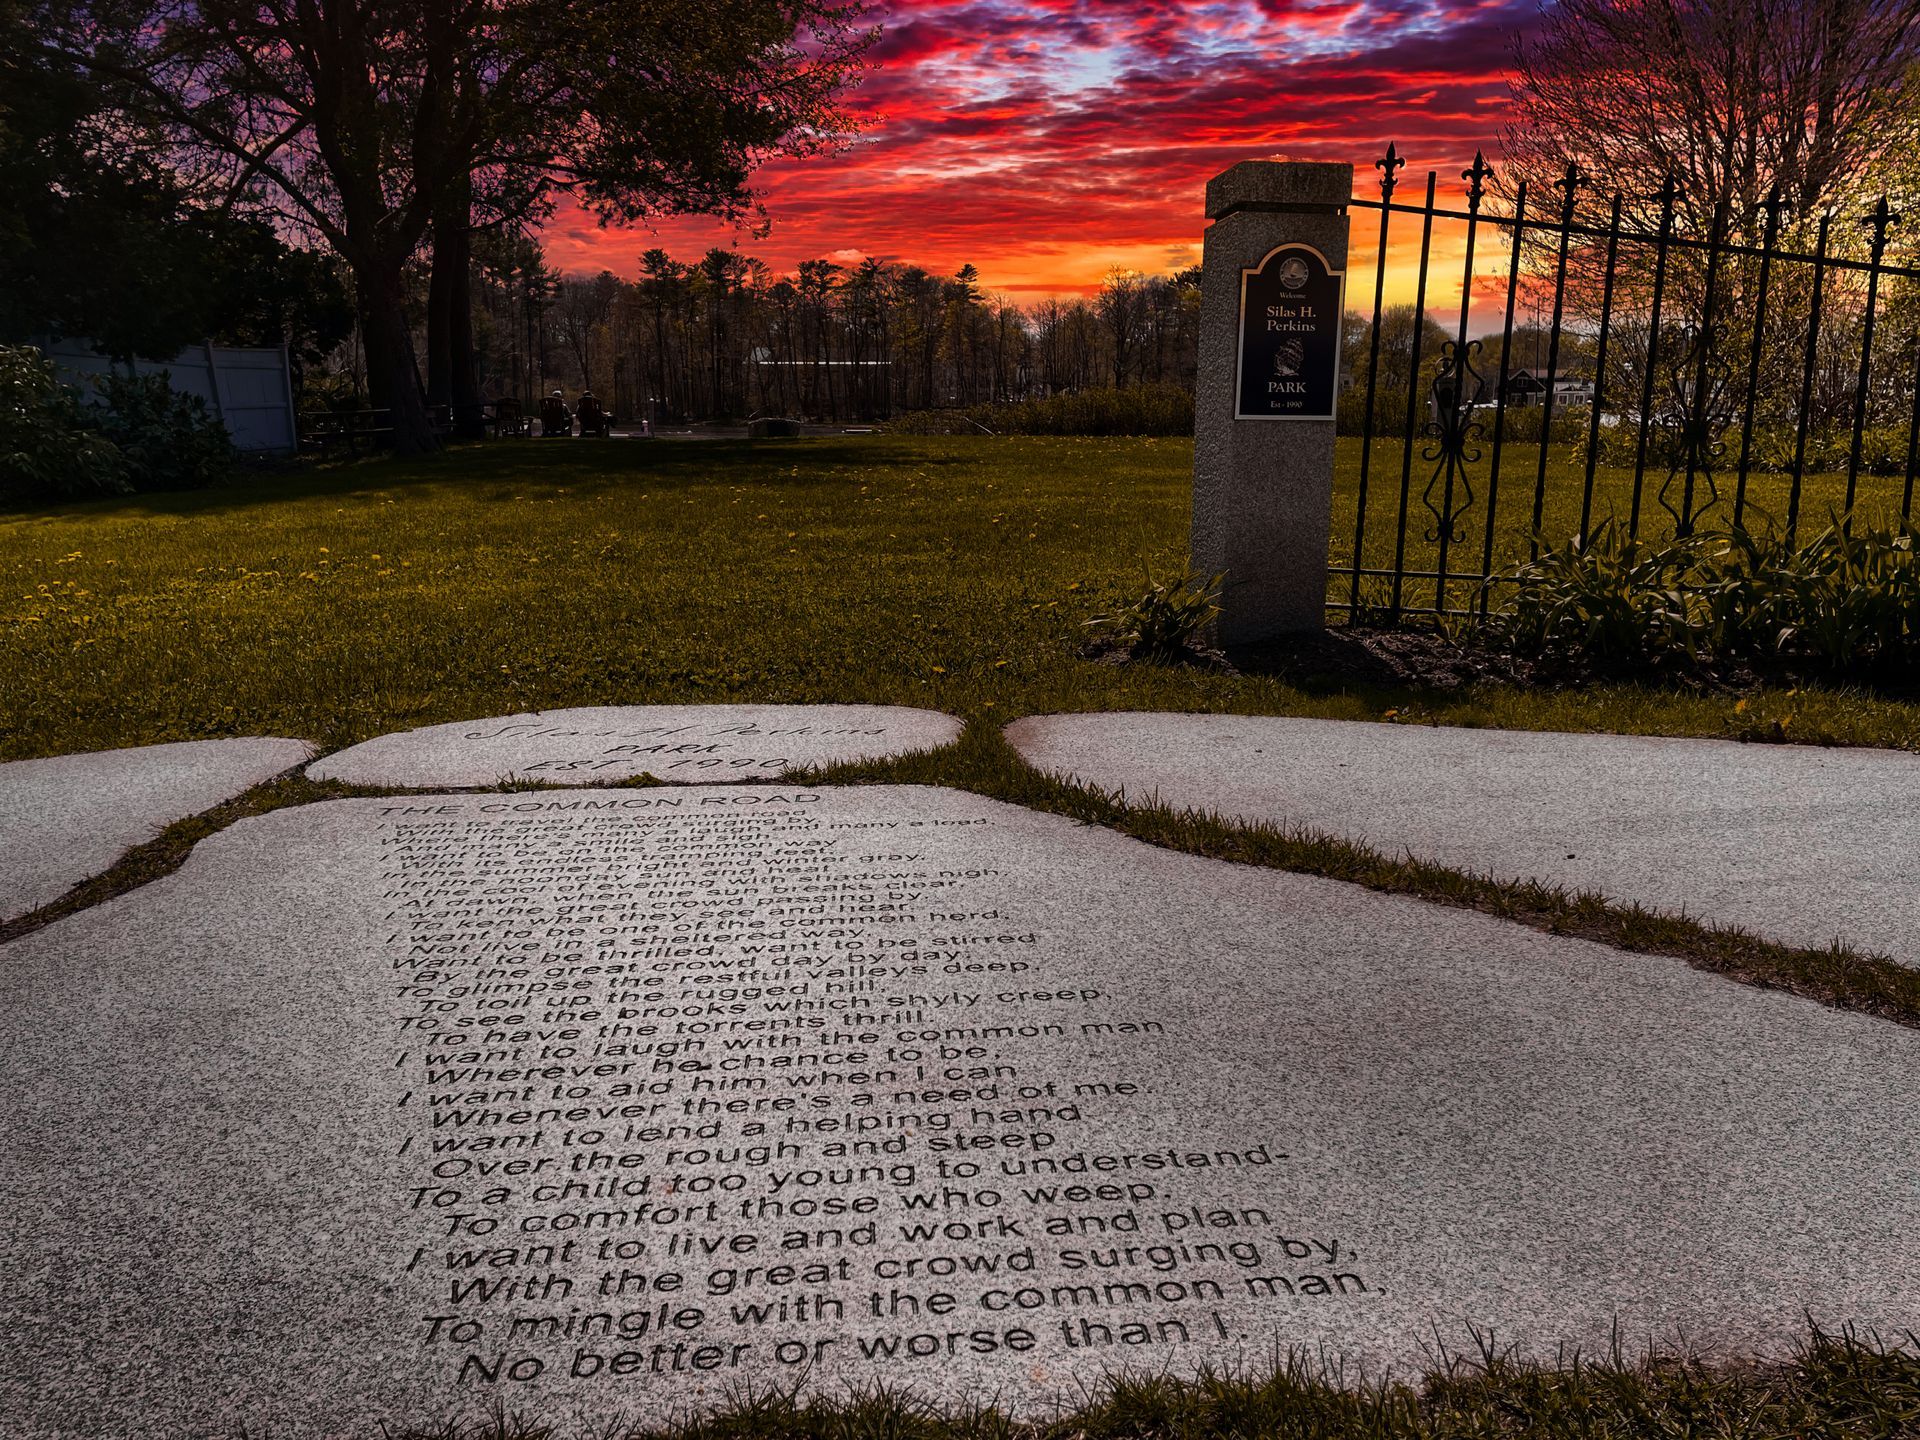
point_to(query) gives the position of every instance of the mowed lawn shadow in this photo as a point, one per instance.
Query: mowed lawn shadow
(504, 470)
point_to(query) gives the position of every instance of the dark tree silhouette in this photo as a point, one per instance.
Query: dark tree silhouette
(367, 120)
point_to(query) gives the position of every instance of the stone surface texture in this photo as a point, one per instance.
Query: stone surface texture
(1797, 843)
(373, 1110)
(1262, 489)
(1316, 183)
(680, 744)
(66, 819)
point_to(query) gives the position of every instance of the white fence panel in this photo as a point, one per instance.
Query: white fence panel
(250, 389)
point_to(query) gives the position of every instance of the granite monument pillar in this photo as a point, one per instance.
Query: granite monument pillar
(1271, 307)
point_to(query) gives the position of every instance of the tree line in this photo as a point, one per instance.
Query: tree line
(724, 336)
(398, 135)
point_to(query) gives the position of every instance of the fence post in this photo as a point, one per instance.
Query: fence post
(1271, 307)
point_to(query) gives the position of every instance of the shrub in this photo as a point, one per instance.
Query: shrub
(1607, 601)
(49, 448)
(1141, 410)
(136, 434)
(1846, 602)
(169, 440)
(1166, 622)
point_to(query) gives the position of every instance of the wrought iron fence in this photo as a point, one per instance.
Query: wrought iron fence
(1685, 377)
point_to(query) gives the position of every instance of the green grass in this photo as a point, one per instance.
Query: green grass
(953, 573)
(1841, 1386)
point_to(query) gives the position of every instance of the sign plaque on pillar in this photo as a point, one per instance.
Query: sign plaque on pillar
(1289, 327)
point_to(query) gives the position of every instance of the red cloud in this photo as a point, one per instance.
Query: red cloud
(1046, 140)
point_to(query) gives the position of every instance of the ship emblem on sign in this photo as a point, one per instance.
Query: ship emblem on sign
(1288, 366)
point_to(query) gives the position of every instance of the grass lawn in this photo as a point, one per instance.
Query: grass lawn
(953, 573)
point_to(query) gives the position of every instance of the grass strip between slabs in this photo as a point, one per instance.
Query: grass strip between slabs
(982, 762)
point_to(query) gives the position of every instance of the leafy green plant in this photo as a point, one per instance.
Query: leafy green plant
(1606, 599)
(137, 433)
(169, 440)
(1845, 602)
(1166, 621)
(49, 448)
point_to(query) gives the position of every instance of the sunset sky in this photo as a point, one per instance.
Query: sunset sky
(1048, 140)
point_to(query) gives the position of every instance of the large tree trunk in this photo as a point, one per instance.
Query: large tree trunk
(439, 320)
(453, 378)
(393, 376)
(469, 408)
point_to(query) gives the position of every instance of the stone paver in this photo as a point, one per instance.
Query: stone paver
(680, 744)
(617, 1101)
(66, 819)
(1797, 843)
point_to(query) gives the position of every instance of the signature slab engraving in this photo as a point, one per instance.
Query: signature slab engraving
(678, 744)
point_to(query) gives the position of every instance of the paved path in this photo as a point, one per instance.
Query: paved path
(1800, 844)
(66, 819)
(372, 1097)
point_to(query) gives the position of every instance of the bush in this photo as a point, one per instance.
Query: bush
(1609, 601)
(169, 440)
(49, 450)
(138, 434)
(1846, 603)
(1848, 600)
(1142, 410)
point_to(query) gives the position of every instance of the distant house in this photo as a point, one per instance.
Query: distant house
(1529, 387)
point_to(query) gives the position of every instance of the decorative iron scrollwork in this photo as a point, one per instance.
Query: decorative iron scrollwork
(1699, 412)
(1457, 392)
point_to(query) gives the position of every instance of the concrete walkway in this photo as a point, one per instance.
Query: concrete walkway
(1796, 843)
(65, 819)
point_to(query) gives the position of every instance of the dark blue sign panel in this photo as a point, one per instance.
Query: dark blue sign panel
(1290, 309)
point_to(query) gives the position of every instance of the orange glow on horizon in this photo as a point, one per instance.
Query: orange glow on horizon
(1046, 142)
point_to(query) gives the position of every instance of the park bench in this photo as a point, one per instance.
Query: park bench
(509, 421)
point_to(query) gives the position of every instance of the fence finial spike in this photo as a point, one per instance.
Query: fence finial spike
(1476, 177)
(1569, 185)
(1882, 218)
(1387, 165)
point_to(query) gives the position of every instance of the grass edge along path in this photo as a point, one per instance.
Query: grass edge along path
(983, 763)
(1837, 1384)
(154, 859)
